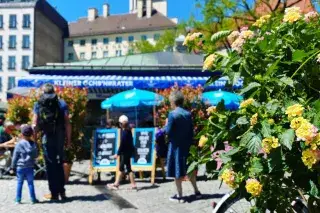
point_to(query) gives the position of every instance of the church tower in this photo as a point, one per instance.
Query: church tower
(160, 5)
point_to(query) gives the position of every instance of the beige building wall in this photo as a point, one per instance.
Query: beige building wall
(48, 41)
(99, 50)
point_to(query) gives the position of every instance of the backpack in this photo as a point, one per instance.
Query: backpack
(49, 117)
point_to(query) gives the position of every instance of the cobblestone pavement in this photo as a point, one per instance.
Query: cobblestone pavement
(84, 198)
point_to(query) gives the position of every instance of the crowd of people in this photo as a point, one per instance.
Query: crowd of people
(51, 119)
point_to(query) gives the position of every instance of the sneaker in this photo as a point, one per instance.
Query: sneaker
(35, 201)
(49, 197)
(198, 195)
(63, 196)
(175, 198)
(17, 202)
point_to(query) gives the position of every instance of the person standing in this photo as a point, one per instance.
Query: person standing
(179, 129)
(51, 118)
(125, 152)
(24, 156)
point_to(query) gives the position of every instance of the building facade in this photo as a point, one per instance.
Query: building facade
(31, 34)
(100, 36)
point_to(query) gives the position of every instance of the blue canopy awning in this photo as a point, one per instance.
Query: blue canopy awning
(122, 82)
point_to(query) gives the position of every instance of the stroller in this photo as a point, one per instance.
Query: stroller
(5, 162)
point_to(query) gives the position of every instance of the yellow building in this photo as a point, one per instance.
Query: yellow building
(100, 36)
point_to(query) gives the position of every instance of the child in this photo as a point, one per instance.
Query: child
(125, 152)
(24, 157)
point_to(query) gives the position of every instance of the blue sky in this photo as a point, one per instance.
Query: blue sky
(73, 9)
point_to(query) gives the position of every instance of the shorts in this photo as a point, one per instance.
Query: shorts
(125, 162)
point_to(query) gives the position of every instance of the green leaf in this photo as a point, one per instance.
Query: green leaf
(287, 138)
(193, 166)
(287, 81)
(246, 138)
(220, 35)
(232, 152)
(250, 87)
(242, 121)
(273, 67)
(266, 129)
(314, 191)
(275, 161)
(256, 167)
(263, 45)
(225, 159)
(298, 55)
(254, 145)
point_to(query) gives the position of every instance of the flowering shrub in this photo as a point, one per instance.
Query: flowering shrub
(274, 135)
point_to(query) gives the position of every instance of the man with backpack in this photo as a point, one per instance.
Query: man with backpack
(51, 119)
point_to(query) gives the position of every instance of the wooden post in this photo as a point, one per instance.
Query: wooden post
(91, 170)
(153, 171)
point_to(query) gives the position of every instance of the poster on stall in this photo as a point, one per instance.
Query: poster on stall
(145, 155)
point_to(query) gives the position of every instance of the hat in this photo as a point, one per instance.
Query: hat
(26, 130)
(123, 119)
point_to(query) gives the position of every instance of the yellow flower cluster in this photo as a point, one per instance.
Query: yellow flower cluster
(254, 119)
(271, 121)
(306, 132)
(209, 62)
(191, 37)
(239, 39)
(294, 110)
(292, 14)
(270, 143)
(309, 158)
(233, 36)
(296, 122)
(247, 34)
(262, 20)
(203, 140)
(246, 103)
(228, 177)
(253, 187)
(310, 16)
(211, 110)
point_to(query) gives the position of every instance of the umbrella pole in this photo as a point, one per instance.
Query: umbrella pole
(136, 118)
(154, 116)
(108, 115)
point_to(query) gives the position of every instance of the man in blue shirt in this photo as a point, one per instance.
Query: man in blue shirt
(51, 118)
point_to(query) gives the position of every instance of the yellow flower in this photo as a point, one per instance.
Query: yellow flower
(270, 143)
(306, 132)
(262, 20)
(191, 37)
(234, 35)
(237, 44)
(186, 40)
(296, 123)
(203, 140)
(254, 119)
(247, 34)
(211, 110)
(246, 103)
(309, 158)
(271, 121)
(209, 62)
(292, 14)
(253, 187)
(294, 110)
(228, 177)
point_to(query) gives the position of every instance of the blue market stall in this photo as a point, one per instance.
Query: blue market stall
(231, 100)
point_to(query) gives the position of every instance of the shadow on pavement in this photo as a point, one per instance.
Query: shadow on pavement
(93, 198)
(148, 187)
(192, 198)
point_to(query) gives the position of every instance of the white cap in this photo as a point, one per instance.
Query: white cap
(123, 119)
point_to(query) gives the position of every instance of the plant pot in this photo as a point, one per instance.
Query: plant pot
(67, 170)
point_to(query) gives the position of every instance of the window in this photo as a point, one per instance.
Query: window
(94, 55)
(26, 42)
(105, 54)
(143, 37)
(11, 82)
(106, 41)
(26, 21)
(131, 38)
(12, 42)
(82, 42)
(70, 43)
(82, 56)
(1, 21)
(0, 84)
(1, 42)
(25, 62)
(118, 39)
(70, 56)
(0, 63)
(12, 63)
(13, 21)
(118, 53)
(94, 42)
(156, 37)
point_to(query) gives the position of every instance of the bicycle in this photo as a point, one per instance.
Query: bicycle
(233, 203)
